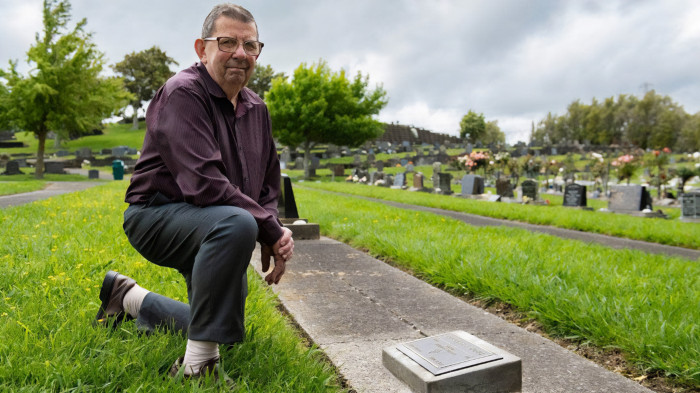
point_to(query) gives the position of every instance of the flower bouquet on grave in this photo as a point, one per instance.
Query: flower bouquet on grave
(626, 166)
(474, 161)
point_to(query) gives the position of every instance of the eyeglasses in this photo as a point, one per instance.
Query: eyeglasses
(230, 44)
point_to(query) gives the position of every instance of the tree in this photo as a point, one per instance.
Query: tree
(321, 106)
(261, 80)
(144, 73)
(493, 134)
(472, 126)
(64, 93)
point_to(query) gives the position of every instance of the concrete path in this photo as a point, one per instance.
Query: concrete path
(52, 189)
(610, 241)
(353, 305)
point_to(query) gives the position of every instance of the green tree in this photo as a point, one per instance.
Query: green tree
(321, 106)
(472, 126)
(64, 93)
(493, 134)
(261, 80)
(144, 73)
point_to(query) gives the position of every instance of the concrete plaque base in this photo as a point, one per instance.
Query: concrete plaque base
(302, 230)
(499, 372)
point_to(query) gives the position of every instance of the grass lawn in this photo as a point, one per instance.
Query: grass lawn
(665, 231)
(644, 304)
(54, 255)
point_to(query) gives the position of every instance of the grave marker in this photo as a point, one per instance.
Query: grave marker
(54, 167)
(399, 180)
(575, 195)
(445, 183)
(631, 198)
(12, 168)
(417, 182)
(504, 188)
(472, 185)
(529, 189)
(690, 206)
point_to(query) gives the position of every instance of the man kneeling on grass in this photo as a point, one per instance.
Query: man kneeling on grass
(203, 192)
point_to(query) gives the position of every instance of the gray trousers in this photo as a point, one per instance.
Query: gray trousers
(211, 247)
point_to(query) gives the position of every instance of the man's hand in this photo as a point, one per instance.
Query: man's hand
(284, 247)
(281, 252)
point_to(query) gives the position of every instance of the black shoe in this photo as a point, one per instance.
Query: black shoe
(114, 287)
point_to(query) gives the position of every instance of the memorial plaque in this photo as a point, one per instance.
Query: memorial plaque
(446, 352)
(504, 188)
(12, 168)
(575, 195)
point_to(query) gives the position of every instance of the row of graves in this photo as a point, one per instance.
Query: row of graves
(627, 199)
(63, 159)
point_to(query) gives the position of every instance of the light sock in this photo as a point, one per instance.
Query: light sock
(197, 353)
(133, 300)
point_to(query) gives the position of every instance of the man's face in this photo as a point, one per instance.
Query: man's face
(230, 70)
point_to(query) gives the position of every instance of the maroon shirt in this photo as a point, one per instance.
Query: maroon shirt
(200, 151)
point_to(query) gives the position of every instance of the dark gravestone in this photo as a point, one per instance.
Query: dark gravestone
(504, 188)
(119, 151)
(399, 180)
(445, 183)
(54, 167)
(339, 170)
(12, 168)
(529, 189)
(84, 153)
(690, 205)
(286, 205)
(62, 153)
(379, 165)
(472, 185)
(93, 174)
(371, 157)
(575, 195)
(629, 198)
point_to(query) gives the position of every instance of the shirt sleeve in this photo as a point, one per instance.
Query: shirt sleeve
(186, 142)
(269, 195)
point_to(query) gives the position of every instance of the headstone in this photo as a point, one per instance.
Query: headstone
(371, 157)
(106, 152)
(54, 167)
(379, 165)
(404, 162)
(575, 195)
(339, 170)
(286, 205)
(315, 162)
(445, 183)
(12, 168)
(690, 206)
(286, 155)
(443, 149)
(119, 151)
(472, 185)
(93, 174)
(504, 188)
(62, 153)
(417, 182)
(357, 160)
(410, 167)
(629, 198)
(388, 180)
(469, 148)
(399, 180)
(529, 189)
(299, 163)
(453, 362)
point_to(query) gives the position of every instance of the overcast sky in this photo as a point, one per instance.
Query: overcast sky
(511, 60)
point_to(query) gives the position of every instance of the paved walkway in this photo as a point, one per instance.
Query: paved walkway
(51, 189)
(353, 305)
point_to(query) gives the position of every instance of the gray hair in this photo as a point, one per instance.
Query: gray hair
(233, 11)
